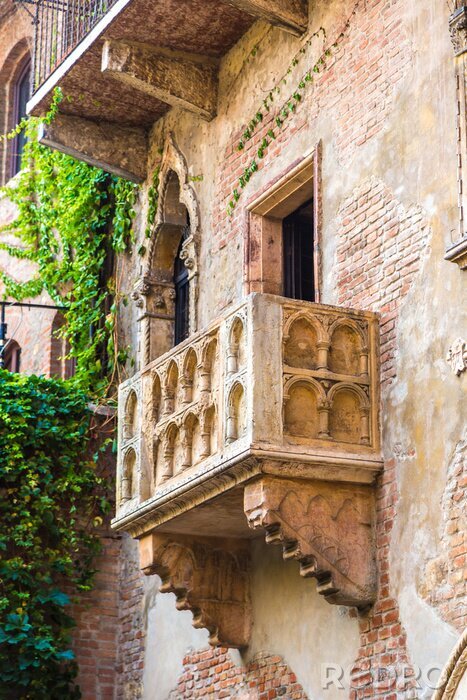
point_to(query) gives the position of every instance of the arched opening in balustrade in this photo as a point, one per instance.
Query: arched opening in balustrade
(236, 350)
(210, 444)
(128, 480)
(130, 425)
(190, 377)
(208, 367)
(349, 414)
(156, 397)
(236, 413)
(171, 389)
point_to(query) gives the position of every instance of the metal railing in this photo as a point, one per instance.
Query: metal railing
(60, 25)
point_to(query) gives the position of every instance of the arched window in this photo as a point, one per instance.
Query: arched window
(182, 293)
(11, 356)
(22, 90)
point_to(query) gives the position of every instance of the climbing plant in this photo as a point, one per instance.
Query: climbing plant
(71, 218)
(51, 493)
(282, 108)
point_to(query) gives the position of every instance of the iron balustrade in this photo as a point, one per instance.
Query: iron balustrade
(60, 25)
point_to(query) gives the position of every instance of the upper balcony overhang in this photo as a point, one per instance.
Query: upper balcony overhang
(266, 421)
(121, 64)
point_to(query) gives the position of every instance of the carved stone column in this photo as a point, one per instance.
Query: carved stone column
(156, 301)
(327, 528)
(209, 577)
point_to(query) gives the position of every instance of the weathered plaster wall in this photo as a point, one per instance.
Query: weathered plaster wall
(384, 110)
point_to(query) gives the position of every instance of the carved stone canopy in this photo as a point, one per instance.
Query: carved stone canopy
(458, 29)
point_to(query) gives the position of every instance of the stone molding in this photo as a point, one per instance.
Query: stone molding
(453, 672)
(327, 528)
(457, 253)
(209, 577)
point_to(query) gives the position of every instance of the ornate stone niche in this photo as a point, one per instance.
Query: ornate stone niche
(265, 422)
(154, 292)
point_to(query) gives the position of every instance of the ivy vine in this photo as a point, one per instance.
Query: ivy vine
(51, 496)
(71, 218)
(286, 108)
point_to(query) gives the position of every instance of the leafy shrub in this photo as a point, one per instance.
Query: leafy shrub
(50, 495)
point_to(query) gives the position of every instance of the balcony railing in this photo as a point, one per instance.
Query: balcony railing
(60, 25)
(276, 385)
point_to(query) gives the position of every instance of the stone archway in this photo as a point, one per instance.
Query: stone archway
(154, 292)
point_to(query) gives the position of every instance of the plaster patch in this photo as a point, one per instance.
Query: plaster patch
(170, 637)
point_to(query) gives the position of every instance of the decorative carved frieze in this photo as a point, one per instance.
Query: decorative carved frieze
(458, 29)
(327, 528)
(209, 577)
(457, 356)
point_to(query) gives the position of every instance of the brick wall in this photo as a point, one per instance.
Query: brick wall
(381, 247)
(131, 625)
(96, 614)
(212, 675)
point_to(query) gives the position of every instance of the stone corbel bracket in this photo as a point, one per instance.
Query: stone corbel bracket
(209, 577)
(327, 528)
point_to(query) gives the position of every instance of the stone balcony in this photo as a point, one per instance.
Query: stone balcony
(267, 421)
(121, 64)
